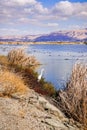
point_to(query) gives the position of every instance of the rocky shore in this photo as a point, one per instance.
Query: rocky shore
(32, 111)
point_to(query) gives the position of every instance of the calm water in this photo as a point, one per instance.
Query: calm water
(57, 60)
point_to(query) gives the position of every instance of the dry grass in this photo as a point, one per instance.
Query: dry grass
(73, 100)
(20, 58)
(11, 83)
(3, 60)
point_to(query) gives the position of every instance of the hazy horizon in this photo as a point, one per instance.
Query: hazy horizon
(21, 35)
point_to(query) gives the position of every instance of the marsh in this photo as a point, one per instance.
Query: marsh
(57, 60)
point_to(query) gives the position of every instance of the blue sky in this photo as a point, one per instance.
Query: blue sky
(23, 17)
(50, 3)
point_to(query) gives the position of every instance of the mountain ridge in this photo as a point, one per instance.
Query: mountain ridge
(79, 35)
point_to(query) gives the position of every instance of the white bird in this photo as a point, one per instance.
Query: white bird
(40, 76)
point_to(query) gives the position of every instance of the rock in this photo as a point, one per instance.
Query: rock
(55, 123)
(51, 108)
(31, 111)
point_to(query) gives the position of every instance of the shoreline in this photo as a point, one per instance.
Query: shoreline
(55, 43)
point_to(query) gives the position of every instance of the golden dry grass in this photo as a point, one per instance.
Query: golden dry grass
(3, 60)
(11, 83)
(73, 100)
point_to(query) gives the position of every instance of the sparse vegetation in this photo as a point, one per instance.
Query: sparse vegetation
(11, 83)
(73, 99)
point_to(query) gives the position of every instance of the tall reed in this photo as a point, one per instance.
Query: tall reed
(73, 99)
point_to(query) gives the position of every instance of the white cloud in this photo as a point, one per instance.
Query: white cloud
(33, 9)
(11, 31)
(31, 12)
(23, 2)
(52, 24)
(68, 9)
(17, 2)
(28, 21)
(64, 8)
(39, 8)
(28, 10)
(20, 8)
(84, 13)
(74, 27)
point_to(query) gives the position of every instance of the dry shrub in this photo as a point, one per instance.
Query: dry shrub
(11, 83)
(73, 99)
(20, 58)
(49, 88)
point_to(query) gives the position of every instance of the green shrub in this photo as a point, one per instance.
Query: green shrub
(49, 88)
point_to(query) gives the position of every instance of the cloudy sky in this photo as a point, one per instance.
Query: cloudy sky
(21, 17)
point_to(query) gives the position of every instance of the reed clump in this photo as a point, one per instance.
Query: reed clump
(73, 99)
(18, 57)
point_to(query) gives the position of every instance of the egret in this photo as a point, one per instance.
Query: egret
(40, 76)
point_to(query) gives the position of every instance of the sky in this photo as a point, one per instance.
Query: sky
(31, 17)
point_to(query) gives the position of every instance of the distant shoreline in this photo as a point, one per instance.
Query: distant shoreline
(60, 43)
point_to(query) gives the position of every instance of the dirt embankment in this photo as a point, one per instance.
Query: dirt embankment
(28, 110)
(32, 111)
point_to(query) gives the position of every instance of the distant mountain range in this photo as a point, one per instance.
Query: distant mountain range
(60, 36)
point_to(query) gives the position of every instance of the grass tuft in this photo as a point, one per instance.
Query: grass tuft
(11, 83)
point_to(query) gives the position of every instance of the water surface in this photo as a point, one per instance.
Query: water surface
(57, 60)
